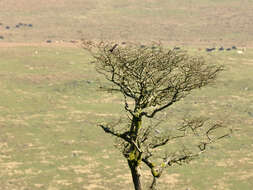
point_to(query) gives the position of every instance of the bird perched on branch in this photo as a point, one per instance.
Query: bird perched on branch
(115, 45)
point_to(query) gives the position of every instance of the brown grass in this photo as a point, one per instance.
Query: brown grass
(198, 23)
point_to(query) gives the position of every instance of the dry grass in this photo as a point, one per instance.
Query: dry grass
(50, 103)
(192, 23)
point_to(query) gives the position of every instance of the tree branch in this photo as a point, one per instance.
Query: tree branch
(124, 136)
(173, 100)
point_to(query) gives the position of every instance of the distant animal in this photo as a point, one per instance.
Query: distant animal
(49, 41)
(73, 41)
(7, 27)
(241, 51)
(228, 49)
(30, 25)
(210, 49)
(113, 47)
(221, 49)
(176, 48)
(234, 47)
(17, 26)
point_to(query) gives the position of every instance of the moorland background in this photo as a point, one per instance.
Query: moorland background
(50, 102)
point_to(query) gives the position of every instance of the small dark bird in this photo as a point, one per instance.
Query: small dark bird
(176, 48)
(111, 50)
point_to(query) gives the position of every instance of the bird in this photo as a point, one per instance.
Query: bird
(111, 50)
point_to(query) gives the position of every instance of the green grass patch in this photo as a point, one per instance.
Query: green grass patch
(48, 125)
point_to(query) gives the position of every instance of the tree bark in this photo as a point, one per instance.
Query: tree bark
(153, 185)
(135, 174)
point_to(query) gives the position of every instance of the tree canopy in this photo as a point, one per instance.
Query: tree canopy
(152, 78)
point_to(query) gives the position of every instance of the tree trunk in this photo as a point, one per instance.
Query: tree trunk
(135, 174)
(153, 185)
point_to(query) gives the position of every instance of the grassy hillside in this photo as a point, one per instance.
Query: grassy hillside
(50, 100)
(185, 22)
(50, 105)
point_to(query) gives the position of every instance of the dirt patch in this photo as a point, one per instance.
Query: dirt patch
(10, 165)
(249, 62)
(41, 44)
(86, 169)
(63, 182)
(171, 180)
(246, 176)
(226, 163)
(93, 186)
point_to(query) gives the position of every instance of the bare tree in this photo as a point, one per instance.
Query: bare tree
(151, 80)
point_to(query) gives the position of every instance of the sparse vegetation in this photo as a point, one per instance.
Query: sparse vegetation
(50, 105)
